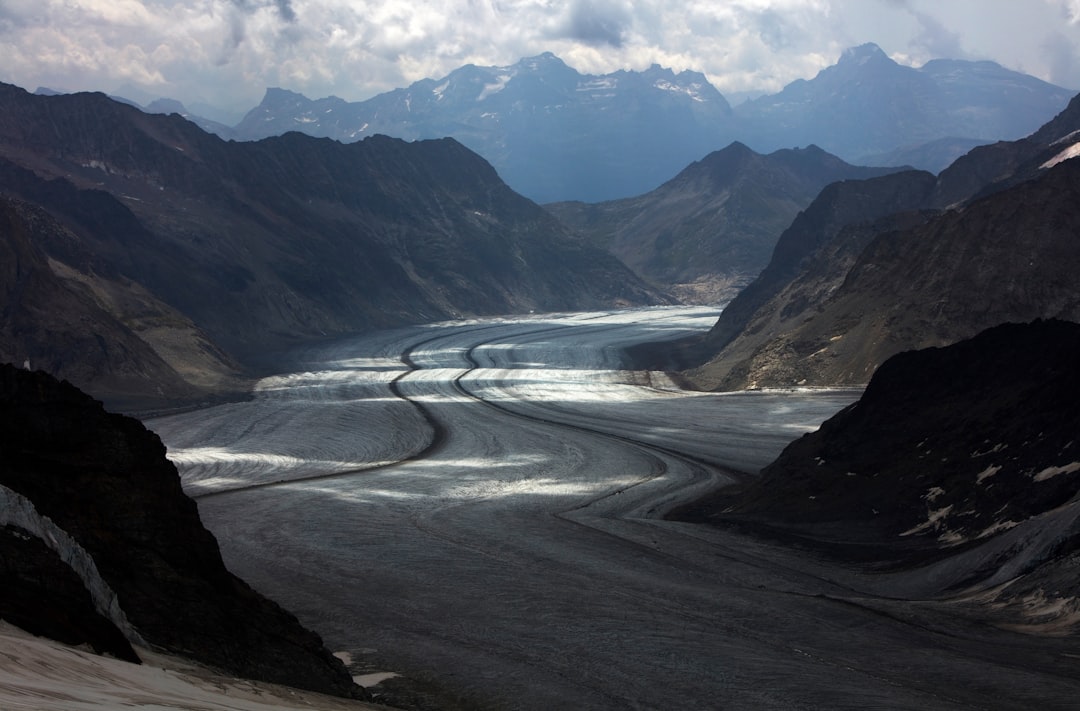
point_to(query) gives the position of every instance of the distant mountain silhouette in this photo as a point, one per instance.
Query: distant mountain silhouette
(551, 132)
(556, 135)
(867, 104)
(709, 231)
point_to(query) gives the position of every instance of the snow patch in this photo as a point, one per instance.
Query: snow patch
(987, 473)
(933, 521)
(693, 91)
(1051, 472)
(599, 84)
(997, 528)
(439, 90)
(495, 87)
(1070, 152)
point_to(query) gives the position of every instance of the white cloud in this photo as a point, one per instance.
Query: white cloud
(228, 51)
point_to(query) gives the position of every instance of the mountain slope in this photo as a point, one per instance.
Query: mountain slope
(107, 501)
(62, 314)
(263, 244)
(710, 230)
(867, 104)
(957, 472)
(861, 275)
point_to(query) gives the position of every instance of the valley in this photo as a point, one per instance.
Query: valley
(479, 505)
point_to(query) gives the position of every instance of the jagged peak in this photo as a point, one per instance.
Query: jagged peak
(862, 54)
(544, 60)
(277, 95)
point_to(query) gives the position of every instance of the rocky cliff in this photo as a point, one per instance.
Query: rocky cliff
(963, 458)
(110, 514)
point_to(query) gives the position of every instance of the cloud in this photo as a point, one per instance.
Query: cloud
(1061, 57)
(597, 22)
(227, 52)
(936, 39)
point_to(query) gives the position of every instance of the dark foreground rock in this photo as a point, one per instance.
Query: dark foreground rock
(965, 457)
(104, 480)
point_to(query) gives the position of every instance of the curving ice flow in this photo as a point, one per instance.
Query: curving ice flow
(481, 502)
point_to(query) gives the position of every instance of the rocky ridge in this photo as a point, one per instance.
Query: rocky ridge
(875, 267)
(960, 462)
(104, 481)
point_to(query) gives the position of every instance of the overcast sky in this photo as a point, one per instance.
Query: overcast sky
(226, 52)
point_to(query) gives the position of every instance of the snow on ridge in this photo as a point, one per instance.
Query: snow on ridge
(598, 84)
(440, 89)
(693, 90)
(1051, 472)
(1070, 152)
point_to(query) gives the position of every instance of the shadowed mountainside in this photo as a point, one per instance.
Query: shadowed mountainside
(260, 245)
(962, 459)
(104, 480)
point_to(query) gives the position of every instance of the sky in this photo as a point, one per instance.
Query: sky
(225, 53)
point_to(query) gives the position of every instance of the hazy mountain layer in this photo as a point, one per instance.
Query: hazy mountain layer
(557, 135)
(710, 230)
(552, 133)
(867, 104)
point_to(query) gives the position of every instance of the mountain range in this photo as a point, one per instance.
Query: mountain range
(209, 253)
(906, 261)
(555, 134)
(707, 232)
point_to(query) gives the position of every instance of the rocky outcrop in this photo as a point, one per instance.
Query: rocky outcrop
(966, 454)
(43, 595)
(103, 480)
(710, 230)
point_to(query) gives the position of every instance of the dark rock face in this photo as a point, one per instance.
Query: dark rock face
(984, 429)
(74, 319)
(104, 479)
(717, 221)
(966, 454)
